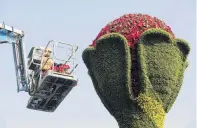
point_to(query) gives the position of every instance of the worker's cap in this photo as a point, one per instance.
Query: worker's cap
(48, 49)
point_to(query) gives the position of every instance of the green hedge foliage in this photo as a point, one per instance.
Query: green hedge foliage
(161, 62)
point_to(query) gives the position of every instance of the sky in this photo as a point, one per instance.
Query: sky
(78, 22)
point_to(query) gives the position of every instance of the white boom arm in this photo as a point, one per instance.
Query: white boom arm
(14, 36)
(8, 28)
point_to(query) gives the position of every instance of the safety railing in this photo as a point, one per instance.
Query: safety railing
(70, 59)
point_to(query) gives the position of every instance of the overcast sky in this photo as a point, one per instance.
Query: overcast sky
(78, 22)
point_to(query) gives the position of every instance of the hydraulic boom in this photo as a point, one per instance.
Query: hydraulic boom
(15, 37)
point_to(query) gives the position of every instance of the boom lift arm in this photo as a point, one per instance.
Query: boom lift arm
(49, 87)
(15, 37)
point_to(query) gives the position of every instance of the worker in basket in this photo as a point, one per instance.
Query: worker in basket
(47, 63)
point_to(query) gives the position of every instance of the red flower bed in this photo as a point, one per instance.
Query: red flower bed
(131, 26)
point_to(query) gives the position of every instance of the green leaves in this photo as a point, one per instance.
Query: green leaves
(183, 46)
(161, 61)
(109, 66)
(164, 62)
(152, 109)
(153, 36)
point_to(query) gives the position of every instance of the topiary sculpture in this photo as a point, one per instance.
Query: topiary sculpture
(137, 67)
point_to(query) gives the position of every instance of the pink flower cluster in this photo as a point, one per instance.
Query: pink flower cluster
(131, 26)
(60, 68)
